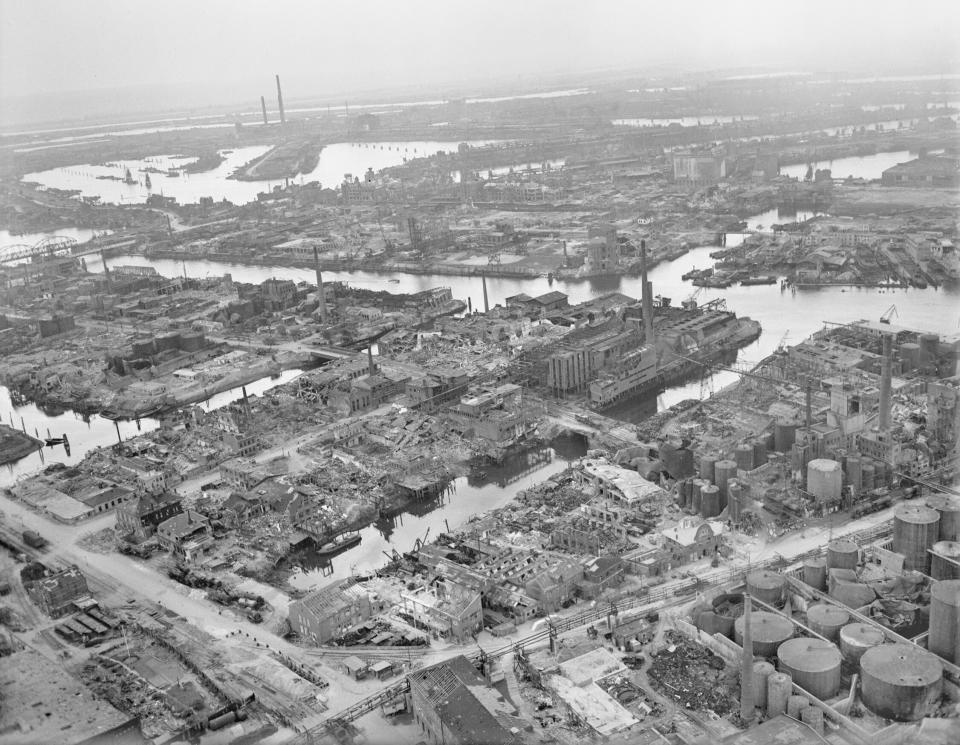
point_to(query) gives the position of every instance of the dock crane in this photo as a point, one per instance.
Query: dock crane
(888, 314)
(691, 302)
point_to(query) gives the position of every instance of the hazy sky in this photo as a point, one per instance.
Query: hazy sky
(329, 47)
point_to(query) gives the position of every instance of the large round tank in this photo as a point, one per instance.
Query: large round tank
(795, 706)
(759, 452)
(168, 341)
(734, 499)
(813, 664)
(765, 585)
(714, 623)
(824, 478)
(915, 530)
(684, 462)
(929, 346)
(710, 501)
(682, 488)
(815, 573)
(723, 471)
(868, 475)
(762, 670)
(842, 553)
(812, 716)
(945, 560)
(909, 356)
(900, 681)
(948, 507)
(857, 638)
(696, 500)
(743, 457)
(784, 435)
(706, 467)
(769, 631)
(143, 347)
(192, 341)
(779, 689)
(944, 638)
(827, 620)
(853, 472)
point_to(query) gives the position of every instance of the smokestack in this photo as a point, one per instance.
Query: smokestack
(809, 403)
(647, 300)
(321, 296)
(283, 118)
(747, 697)
(885, 382)
(263, 107)
(106, 271)
(370, 367)
(486, 302)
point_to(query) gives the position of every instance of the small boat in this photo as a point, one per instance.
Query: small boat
(341, 543)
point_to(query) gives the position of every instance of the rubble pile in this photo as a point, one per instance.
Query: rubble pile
(693, 676)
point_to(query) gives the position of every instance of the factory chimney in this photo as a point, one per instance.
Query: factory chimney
(885, 382)
(486, 302)
(321, 296)
(747, 698)
(106, 271)
(370, 367)
(263, 108)
(647, 300)
(283, 118)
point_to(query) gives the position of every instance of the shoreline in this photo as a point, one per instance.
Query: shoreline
(15, 445)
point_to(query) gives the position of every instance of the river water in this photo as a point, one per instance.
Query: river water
(80, 235)
(334, 162)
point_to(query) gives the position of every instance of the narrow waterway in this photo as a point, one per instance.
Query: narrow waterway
(88, 433)
(467, 496)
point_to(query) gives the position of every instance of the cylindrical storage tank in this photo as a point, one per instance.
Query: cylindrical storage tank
(784, 435)
(193, 341)
(723, 471)
(707, 463)
(853, 472)
(762, 670)
(815, 573)
(769, 631)
(734, 500)
(900, 681)
(909, 356)
(684, 462)
(681, 494)
(696, 503)
(915, 529)
(945, 560)
(944, 638)
(824, 479)
(813, 664)
(779, 690)
(743, 457)
(767, 586)
(668, 451)
(168, 341)
(867, 476)
(759, 452)
(842, 553)
(929, 346)
(813, 718)
(857, 638)
(948, 507)
(795, 706)
(714, 623)
(710, 501)
(827, 620)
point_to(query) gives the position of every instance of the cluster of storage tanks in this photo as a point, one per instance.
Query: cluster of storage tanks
(902, 682)
(716, 486)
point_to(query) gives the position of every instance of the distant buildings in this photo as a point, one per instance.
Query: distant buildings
(931, 170)
(698, 169)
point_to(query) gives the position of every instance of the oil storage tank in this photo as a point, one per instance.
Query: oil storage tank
(723, 471)
(948, 507)
(824, 479)
(827, 620)
(915, 529)
(842, 553)
(909, 357)
(767, 586)
(900, 681)
(762, 670)
(945, 560)
(813, 664)
(743, 457)
(769, 631)
(779, 688)
(944, 639)
(784, 435)
(857, 638)
(710, 501)
(815, 573)
(845, 587)
(929, 346)
(707, 463)
(853, 472)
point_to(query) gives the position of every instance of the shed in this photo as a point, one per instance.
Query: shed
(382, 669)
(355, 667)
